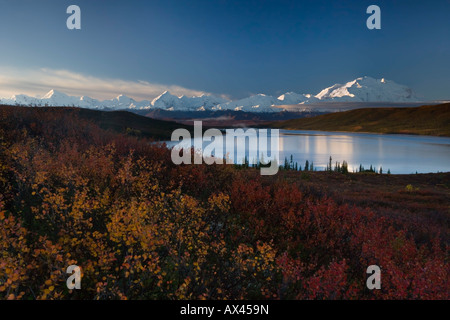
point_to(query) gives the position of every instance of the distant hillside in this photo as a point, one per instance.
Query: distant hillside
(426, 120)
(224, 118)
(118, 121)
(133, 124)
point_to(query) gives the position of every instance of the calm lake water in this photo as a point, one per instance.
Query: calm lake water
(400, 153)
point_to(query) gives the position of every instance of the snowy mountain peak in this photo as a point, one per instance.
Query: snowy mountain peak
(54, 94)
(86, 98)
(123, 99)
(166, 94)
(165, 101)
(368, 89)
(168, 101)
(295, 98)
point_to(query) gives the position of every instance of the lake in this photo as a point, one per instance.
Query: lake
(401, 154)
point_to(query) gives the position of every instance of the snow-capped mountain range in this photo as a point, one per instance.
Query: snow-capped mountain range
(364, 89)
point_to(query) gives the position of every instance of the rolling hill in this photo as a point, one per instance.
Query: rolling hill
(425, 120)
(117, 121)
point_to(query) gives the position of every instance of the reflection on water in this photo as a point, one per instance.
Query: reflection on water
(399, 153)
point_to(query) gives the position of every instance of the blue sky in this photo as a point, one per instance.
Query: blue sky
(231, 48)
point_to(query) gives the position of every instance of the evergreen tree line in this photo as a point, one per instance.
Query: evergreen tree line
(291, 165)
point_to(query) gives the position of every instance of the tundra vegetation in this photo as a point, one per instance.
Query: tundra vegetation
(140, 227)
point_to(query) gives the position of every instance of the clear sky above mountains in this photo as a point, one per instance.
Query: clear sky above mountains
(231, 48)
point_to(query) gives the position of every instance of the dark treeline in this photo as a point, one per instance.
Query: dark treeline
(291, 165)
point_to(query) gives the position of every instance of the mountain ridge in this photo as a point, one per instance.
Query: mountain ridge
(362, 89)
